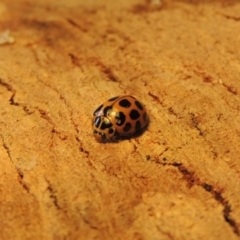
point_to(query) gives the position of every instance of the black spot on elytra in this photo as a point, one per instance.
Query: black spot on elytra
(113, 98)
(105, 125)
(120, 117)
(139, 105)
(138, 126)
(127, 127)
(125, 103)
(106, 110)
(97, 110)
(110, 131)
(97, 121)
(134, 114)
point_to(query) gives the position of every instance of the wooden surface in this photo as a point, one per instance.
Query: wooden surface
(179, 180)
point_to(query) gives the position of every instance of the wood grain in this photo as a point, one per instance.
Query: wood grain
(179, 180)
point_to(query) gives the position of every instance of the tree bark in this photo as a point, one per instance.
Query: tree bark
(179, 180)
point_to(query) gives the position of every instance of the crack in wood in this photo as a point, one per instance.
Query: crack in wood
(195, 123)
(84, 151)
(29, 111)
(227, 207)
(45, 116)
(77, 25)
(76, 61)
(6, 148)
(155, 98)
(172, 112)
(9, 88)
(231, 89)
(63, 99)
(21, 180)
(209, 79)
(106, 70)
(19, 172)
(192, 179)
(52, 195)
(234, 18)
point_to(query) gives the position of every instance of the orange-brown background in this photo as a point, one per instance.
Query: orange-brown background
(180, 179)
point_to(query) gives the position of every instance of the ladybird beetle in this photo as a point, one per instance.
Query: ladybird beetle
(121, 116)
